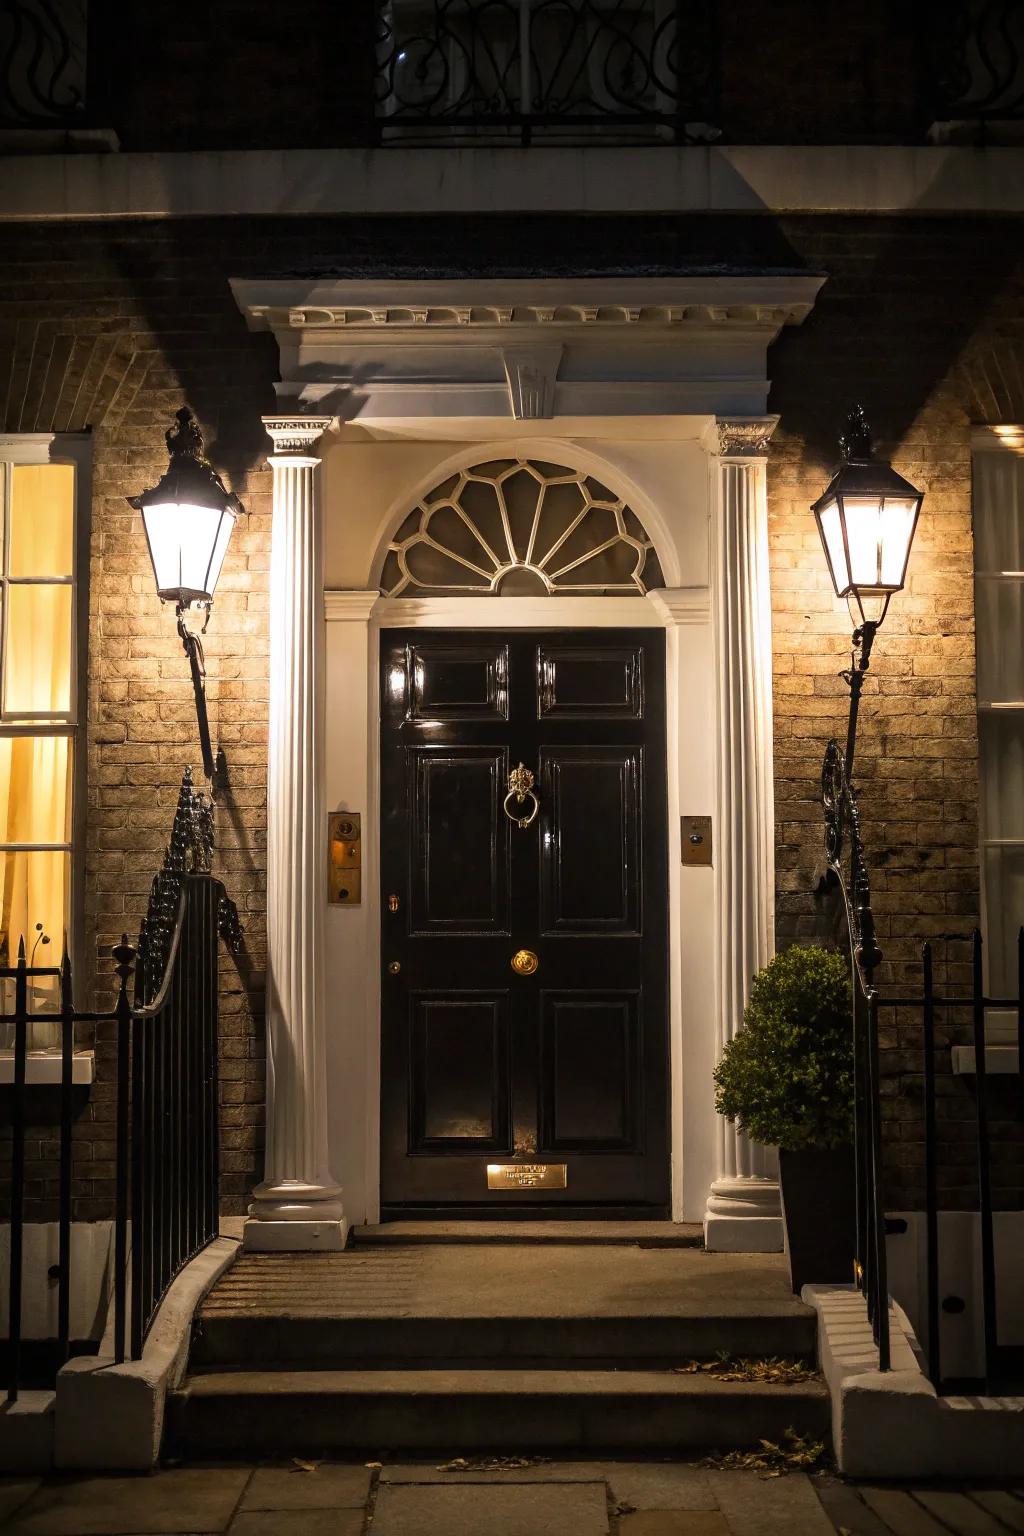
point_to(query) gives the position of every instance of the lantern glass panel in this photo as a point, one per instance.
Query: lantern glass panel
(864, 538)
(897, 530)
(188, 545)
(832, 535)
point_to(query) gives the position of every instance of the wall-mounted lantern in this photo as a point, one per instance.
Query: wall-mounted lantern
(188, 518)
(866, 517)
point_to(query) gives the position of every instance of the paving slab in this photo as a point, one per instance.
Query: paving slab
(328, 1486)
(846, 1509)
(185, 1499)
(1006, 1507)
(15, 1491)
(673, 1522)
(515, 1510)
(298, 1522)
(901, 1513)
(648, 1486)
(959, 1512)
(758, 1506)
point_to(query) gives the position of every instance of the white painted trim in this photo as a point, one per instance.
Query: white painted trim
(855, 178)
(517, 613)
(44, 1067)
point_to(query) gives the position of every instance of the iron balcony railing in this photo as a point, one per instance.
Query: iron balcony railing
(521, 71)
(973, 61)
(167, 1144)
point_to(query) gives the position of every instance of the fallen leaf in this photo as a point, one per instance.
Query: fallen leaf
(298, 1465)
(373, 1466)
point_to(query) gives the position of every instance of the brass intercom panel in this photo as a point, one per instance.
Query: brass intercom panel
(696, 839)
(344, 858)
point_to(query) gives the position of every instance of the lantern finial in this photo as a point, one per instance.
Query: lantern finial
(186, 438)
(855, 443)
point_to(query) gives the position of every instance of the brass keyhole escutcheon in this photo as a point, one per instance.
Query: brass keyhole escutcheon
(524, 962)
(393, 903)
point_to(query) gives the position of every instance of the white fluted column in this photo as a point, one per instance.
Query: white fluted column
(743, 1211)
(298, 1205)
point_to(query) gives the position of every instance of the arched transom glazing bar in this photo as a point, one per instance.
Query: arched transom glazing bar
(520, 527)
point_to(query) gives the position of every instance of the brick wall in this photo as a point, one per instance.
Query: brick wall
(110, 327)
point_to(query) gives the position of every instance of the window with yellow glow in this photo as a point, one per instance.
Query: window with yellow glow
(37, 709)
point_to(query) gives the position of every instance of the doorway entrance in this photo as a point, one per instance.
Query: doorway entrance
(524, 1033)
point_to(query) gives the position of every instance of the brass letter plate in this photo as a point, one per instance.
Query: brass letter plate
(345, 858)
(526, 1176)
(696, 839)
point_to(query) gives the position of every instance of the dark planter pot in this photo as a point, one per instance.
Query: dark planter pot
(819, 1204)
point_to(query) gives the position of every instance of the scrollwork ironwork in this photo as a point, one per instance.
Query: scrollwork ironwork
(189, 851)
(977, 61)
(42, 63)
(844, 851)
(527, 66)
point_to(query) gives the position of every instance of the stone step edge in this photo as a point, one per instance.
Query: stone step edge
(467, 1383)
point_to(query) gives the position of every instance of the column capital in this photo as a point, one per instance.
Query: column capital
(681, 605)
(744, 437)
(294, 436)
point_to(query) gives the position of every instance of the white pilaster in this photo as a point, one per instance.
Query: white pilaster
(298, 1205)
(743, 1211)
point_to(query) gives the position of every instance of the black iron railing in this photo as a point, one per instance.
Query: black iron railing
(167, 1153)
(522, 70)
(42, 63)
(845, 854)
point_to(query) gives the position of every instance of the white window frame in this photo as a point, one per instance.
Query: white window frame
(74, 448)
(1000, 1024)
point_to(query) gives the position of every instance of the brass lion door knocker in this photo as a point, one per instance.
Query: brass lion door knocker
(520, 789)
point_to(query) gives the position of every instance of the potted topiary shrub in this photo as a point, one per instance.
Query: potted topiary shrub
(787, 1080)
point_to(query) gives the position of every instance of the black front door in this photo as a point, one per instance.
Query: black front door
(555, 1064)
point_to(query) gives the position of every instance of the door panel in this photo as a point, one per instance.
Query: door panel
(564, 1062)
(602, 682)
(460, 1083)
(590, 1055)
(591, 874)
(459, 839)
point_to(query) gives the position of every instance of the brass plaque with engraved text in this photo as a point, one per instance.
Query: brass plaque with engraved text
(526, 1176)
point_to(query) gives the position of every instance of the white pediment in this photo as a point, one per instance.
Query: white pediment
(379, 351)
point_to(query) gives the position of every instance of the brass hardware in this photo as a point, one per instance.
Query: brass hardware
(520, 789)
(526, 1175)
(524, 962)
(393, 903)
(394, 966)
(695, 833)
(345, 857)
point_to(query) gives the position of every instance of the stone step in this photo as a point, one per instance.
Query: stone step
(321, 1341)
(268, 1413)
(642, 1234)
(559, 1305)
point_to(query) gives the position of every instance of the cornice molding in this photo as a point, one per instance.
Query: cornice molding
(682, 605)
(745, 437)
(639, 304)
(294, 436)
(354, 606)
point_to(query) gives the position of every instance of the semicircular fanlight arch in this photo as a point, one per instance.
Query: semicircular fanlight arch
(520, 527)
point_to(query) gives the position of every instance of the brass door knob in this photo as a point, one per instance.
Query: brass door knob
(524, 962)
(394, 966)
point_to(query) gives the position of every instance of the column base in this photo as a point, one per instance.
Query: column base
(295, 1217)
(744, 1215)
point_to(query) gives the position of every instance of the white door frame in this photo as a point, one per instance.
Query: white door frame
(717, 730)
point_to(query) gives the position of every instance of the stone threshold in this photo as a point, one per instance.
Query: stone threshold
(644, 1234)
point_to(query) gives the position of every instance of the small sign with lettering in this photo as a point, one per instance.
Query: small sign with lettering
(526, 1175)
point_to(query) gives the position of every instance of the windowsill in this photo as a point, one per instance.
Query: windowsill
(42, 1068)
(999, 1060)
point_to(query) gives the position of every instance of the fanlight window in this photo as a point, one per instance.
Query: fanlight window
(518, 528)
